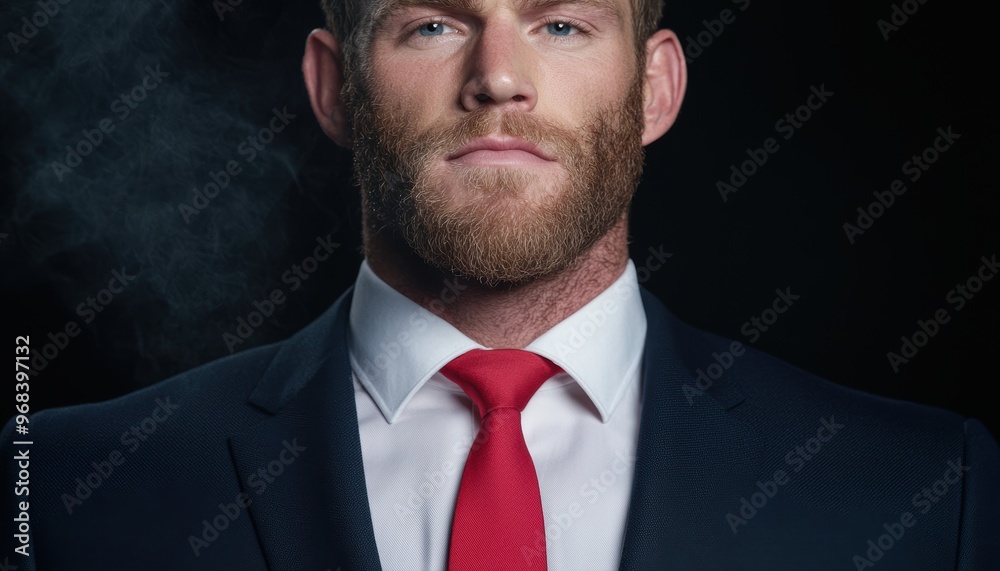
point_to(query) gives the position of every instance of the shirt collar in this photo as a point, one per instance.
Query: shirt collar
(396, 345)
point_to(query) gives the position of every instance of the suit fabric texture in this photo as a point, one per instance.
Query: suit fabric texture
(253, 462)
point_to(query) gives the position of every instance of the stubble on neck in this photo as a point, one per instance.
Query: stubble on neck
(505, 316)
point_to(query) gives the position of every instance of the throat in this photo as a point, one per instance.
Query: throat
(505, 316)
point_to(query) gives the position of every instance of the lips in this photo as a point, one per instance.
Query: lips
(502, 145)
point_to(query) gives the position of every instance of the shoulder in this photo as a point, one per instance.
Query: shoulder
(786, 404)
(149, 463)
(216, 397)
(843, 459)
(211, 389)
(187, 417)
(732, 371)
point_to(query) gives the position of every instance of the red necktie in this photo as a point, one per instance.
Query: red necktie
(498, 522)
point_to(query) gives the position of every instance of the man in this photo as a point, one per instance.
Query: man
(496, 391)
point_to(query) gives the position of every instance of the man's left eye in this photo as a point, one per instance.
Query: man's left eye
(560, 28)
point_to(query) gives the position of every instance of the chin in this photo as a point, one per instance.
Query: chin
(493, 185)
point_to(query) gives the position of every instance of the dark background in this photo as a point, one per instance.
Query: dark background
(229, 66)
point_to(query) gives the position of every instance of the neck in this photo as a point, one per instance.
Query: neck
(507, 317)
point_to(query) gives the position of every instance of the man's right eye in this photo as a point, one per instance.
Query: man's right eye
(431, 29)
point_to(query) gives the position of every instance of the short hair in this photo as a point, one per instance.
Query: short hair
(351, 22)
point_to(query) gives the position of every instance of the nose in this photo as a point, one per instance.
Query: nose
(501, 70)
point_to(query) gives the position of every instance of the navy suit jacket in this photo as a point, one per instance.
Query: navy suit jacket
(253, 462)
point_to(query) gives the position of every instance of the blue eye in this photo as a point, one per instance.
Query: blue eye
(432, 29)
(559, 29)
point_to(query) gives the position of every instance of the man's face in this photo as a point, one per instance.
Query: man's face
(501, 139)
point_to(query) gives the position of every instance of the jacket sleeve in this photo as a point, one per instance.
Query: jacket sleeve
(979, 542)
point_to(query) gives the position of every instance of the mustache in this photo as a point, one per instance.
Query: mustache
(445, 139)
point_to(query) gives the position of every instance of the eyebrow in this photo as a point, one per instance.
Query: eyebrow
(608, 7)
(392, 6)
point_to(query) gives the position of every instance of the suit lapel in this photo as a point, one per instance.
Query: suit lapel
(302, 470)
(301, 466)
(693, 456)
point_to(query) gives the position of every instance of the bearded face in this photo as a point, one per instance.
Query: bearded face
(497, 224)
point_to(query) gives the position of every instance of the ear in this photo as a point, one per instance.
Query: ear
(323, 68)
(665, 82)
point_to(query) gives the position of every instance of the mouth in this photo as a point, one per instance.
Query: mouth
(500, 151)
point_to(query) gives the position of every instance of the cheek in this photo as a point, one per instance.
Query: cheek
(571, 90)
(576, 83)
(421, 95)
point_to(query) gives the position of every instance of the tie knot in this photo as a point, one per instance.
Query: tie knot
(499, 378)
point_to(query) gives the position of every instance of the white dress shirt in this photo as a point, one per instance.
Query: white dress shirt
(417, 427)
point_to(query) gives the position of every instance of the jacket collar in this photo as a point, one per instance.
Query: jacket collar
(693, 453)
